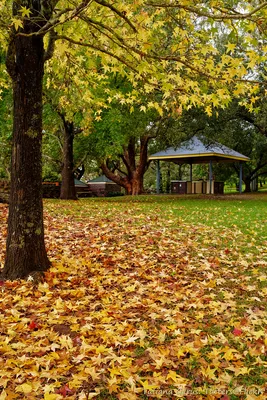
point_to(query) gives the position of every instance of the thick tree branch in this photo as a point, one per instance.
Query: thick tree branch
(11, 64)
(113, 35)
(131, 153)
(116, 11)
(99, 49)
(259, 167)
(57, 162)
(222, 16)
(115, 178)
(143, 164)
(51, 45)
(57, 20)
(251, 120)
(127, 164)
(120, 171)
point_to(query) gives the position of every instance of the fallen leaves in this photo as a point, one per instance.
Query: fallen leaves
(135, 303)
(237, 332)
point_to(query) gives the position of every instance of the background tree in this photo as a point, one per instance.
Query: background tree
(120, 142)
(69, 95)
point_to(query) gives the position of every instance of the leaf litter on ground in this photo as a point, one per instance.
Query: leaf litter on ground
(156, 298)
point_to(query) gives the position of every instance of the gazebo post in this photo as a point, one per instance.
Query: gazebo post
(210, 176)
(191, 172)
(240, 176)
(158, 177)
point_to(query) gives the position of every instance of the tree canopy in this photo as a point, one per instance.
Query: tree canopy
(167, 46)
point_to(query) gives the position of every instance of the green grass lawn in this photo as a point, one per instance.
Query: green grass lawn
(147, 297)
(245, 215)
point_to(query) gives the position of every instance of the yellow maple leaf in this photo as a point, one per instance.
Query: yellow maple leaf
(229, 354)
(258, 334)
(209, 372)
(208, 110)
(112, 382)
(115, 371)
(3, 395)
(172, 375)
(230, 47)
(51, 396)
(147, 386)
(159, 362)
(91, 395)
(17, 23)
(242, 371)
(25, 11)
(180, 352)
(101, 349)
(24, 388)
(92, 371)
(214, 353)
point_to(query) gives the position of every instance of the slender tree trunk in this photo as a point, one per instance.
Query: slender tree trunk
(25, 242)
(247, 185)
(68, 191)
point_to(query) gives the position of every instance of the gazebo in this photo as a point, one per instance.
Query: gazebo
(199, 150)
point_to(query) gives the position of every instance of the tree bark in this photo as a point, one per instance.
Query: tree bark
(137, 184)
(247, 182)
(26, 251)
(133, 181)
(68, 191)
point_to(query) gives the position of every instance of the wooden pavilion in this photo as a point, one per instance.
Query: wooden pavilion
(199, 150)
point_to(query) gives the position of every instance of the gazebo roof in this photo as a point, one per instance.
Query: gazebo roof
(198, 150)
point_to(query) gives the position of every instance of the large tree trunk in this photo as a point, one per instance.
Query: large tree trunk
(68, 191)
(25, 242)
(135, 185)
(132, 183)
(133, 180)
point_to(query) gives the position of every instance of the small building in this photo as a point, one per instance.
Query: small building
(82, 188)
(103, 187)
